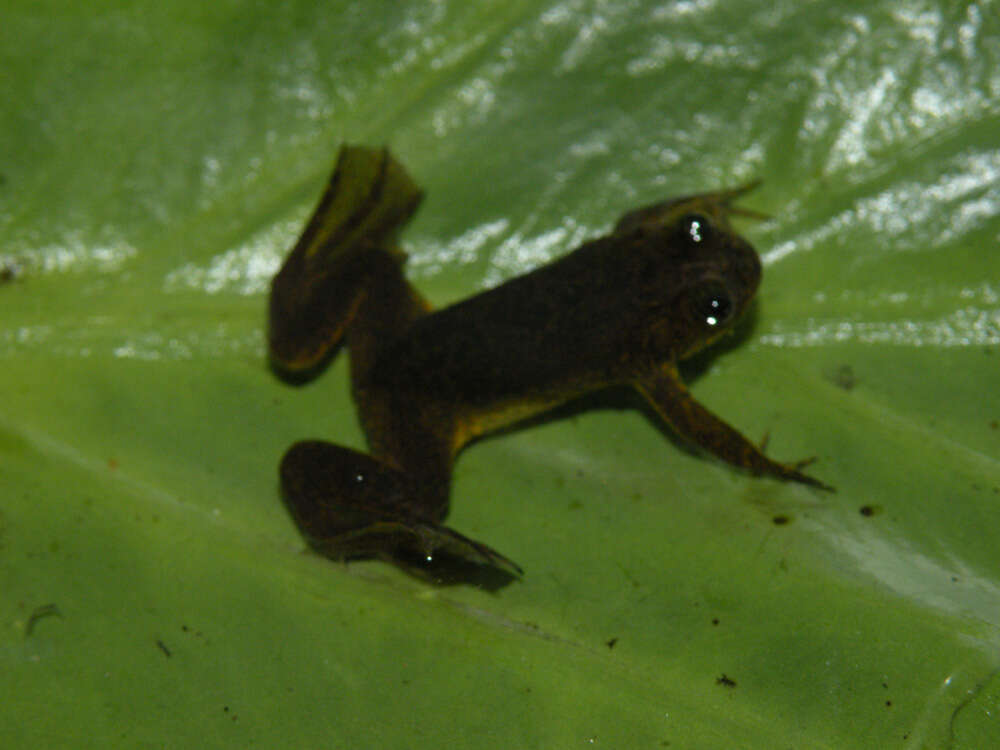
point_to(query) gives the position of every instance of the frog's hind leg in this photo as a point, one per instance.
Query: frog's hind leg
(344, 283)
(413, 438)
(322, 283)
(387, 307)
(350, 505)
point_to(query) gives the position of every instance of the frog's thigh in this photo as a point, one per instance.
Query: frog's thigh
(332, 491)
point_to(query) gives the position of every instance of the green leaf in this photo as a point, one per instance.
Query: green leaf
(158, 161)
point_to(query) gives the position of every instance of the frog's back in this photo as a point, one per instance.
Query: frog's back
(564, 325)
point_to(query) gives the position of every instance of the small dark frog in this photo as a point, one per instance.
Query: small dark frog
(619, 310)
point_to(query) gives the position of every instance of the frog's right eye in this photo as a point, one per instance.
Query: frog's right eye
(711, 305)
(695, 228)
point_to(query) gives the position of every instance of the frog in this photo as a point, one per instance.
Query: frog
(621, 310)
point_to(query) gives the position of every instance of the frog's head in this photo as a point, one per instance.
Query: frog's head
(700, 275)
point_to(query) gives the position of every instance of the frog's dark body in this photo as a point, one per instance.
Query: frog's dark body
(621, 309)
(582, 321)
(534, 334)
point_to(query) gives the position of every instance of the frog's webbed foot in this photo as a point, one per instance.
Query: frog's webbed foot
(314, 296)
(350, 505)
(434, 552)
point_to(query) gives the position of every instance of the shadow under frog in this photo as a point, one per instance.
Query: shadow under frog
(620, 311)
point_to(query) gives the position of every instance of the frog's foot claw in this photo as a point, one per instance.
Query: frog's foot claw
(762, 445)
(793, 473)
(803, 463)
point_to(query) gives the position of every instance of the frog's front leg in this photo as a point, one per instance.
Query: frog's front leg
(678, 408)
(350, 505)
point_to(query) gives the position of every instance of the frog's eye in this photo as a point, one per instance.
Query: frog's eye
(695, 228)
(711, 304)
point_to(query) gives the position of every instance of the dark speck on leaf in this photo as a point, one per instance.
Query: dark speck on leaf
(842, 377)
(725, 681)
(46, 610)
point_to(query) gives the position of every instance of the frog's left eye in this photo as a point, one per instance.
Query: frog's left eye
(712, 304)
(696, 228)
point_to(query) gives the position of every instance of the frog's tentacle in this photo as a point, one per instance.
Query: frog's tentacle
(321, 284)
(349, 505)
(679, 409)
